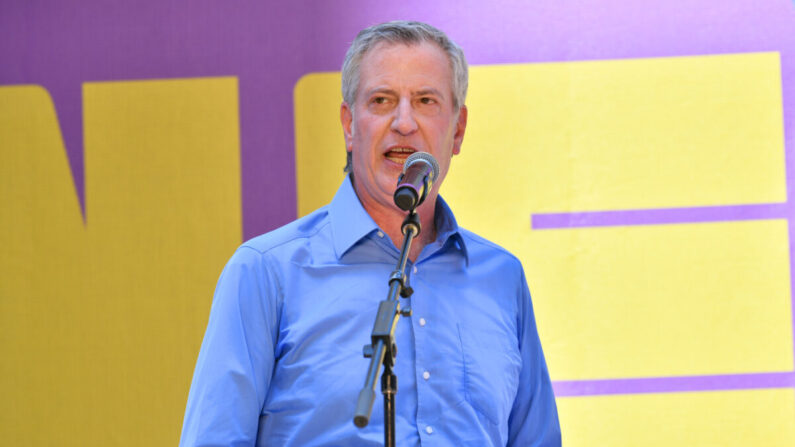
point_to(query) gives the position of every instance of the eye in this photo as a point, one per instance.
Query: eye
(427, 100)
(379, 100)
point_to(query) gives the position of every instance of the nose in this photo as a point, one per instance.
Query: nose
(404, 122)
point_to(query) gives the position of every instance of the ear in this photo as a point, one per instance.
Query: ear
(460, 128)
(346, 118)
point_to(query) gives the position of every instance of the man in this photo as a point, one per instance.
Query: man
(281, 363)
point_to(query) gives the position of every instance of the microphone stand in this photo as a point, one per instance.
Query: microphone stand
(382, 349)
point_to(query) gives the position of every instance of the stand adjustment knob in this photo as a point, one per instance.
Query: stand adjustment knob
(367, 350)
(406, 311)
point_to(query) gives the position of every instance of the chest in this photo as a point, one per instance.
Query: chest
(458, 349)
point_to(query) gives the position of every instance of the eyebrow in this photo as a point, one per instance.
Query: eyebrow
(382, 90)
(429, 91)
(421, 92)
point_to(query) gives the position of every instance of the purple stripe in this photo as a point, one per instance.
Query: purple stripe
(545, 221)
(674, 384)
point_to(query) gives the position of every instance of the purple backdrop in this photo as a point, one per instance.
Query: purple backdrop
(269, 45)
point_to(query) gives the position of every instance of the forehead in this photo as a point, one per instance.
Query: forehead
(423, 62)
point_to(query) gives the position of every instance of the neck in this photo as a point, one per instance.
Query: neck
(427, 234)
(393, 227)
(390, 220)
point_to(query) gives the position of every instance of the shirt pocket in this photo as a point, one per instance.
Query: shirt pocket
(492, 364)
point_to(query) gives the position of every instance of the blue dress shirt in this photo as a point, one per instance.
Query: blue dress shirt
(281, 362)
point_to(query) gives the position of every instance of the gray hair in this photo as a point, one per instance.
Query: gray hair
(408, 33)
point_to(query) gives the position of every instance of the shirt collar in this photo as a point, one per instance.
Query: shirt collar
(350, 222)
(447, 230)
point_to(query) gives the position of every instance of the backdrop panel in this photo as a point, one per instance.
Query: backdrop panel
(645, 160)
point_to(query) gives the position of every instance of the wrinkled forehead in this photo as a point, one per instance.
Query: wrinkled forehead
(385, 45)
(387, 59)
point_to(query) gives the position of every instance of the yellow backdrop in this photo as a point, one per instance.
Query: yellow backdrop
(101, 320)
(100, 323)
(625, 301)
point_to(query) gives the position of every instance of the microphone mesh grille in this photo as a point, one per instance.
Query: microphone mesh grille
(422, 157)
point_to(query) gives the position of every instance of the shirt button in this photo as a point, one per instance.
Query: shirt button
(422, 321)
(415, 269)
(429, 429)
(380, 234)
(426, 375)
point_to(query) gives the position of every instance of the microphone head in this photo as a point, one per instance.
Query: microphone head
(413, 186)
(423, 157)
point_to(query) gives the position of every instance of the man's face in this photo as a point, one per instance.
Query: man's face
(404, 104)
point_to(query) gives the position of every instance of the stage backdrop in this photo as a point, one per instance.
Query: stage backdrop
(637, 156)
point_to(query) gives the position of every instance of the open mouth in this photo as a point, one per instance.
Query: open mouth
(399, 154)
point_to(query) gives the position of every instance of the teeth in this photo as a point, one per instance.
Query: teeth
(399, 150)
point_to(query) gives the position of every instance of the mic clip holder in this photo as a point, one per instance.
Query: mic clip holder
(382, 349)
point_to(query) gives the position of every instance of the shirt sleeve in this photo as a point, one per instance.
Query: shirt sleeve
(534, 416)
(235, 363)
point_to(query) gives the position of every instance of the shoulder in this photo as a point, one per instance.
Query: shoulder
(294, 233)
(264, 258)
(480, 249)
(282, 244)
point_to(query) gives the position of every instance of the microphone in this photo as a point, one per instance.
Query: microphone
(419, 172)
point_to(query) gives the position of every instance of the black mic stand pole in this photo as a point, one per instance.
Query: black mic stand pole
(383, 349)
